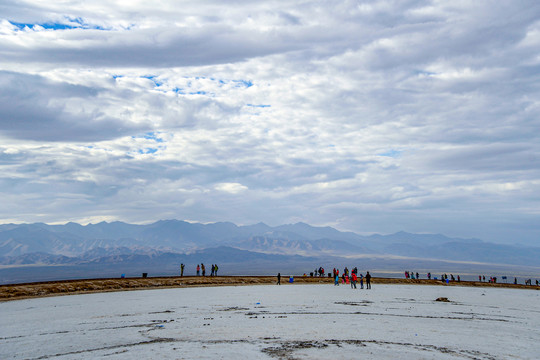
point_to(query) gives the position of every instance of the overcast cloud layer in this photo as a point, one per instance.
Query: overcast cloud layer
(367, 116)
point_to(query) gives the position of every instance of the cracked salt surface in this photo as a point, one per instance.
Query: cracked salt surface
(276, 322)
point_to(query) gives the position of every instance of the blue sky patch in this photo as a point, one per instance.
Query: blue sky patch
(71, 23)
(149, 136)
(148, 151)
(154, 79)
(243, 83)
(392, 153)
(48, 26)
(259, 106)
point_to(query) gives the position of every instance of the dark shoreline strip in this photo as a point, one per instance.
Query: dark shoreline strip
(88, 286)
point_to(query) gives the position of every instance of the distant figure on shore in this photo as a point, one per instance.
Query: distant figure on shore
(198, 270)
(417, 276)
(182, 269)
(215, 269)
(336, 280)
(480, 278)
(429, 276)
(458, 279)
(212, 270)
(515, 281)
(361, 281)
(278, 279)
(368, 280)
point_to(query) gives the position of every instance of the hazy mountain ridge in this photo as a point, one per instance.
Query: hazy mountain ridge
(75, 243)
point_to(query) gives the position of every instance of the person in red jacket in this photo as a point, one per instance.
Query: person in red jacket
(354, 278)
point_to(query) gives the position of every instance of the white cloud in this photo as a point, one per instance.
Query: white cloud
(232, 188)
(217, 111)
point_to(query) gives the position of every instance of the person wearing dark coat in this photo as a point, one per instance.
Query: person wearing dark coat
(368, 280)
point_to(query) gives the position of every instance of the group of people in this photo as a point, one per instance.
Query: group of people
(213, 272)
(318, 272)
(493, 279)
(410, 275)
(445, 278)
(352, 278)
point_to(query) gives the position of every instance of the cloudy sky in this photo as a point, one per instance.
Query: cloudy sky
(372, 117)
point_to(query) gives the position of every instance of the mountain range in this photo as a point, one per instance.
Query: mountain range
(164, 244)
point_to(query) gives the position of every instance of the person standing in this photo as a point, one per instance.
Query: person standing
(361, 281)
(182, 269)
(278, 279)
(198, 270)
(203, 268)
(368, 280)
(354, 278)
(215, 270)
(212, 270)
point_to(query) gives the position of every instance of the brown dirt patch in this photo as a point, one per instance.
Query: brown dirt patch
(69, 287)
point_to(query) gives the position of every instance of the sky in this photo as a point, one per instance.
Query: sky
(372, 117)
